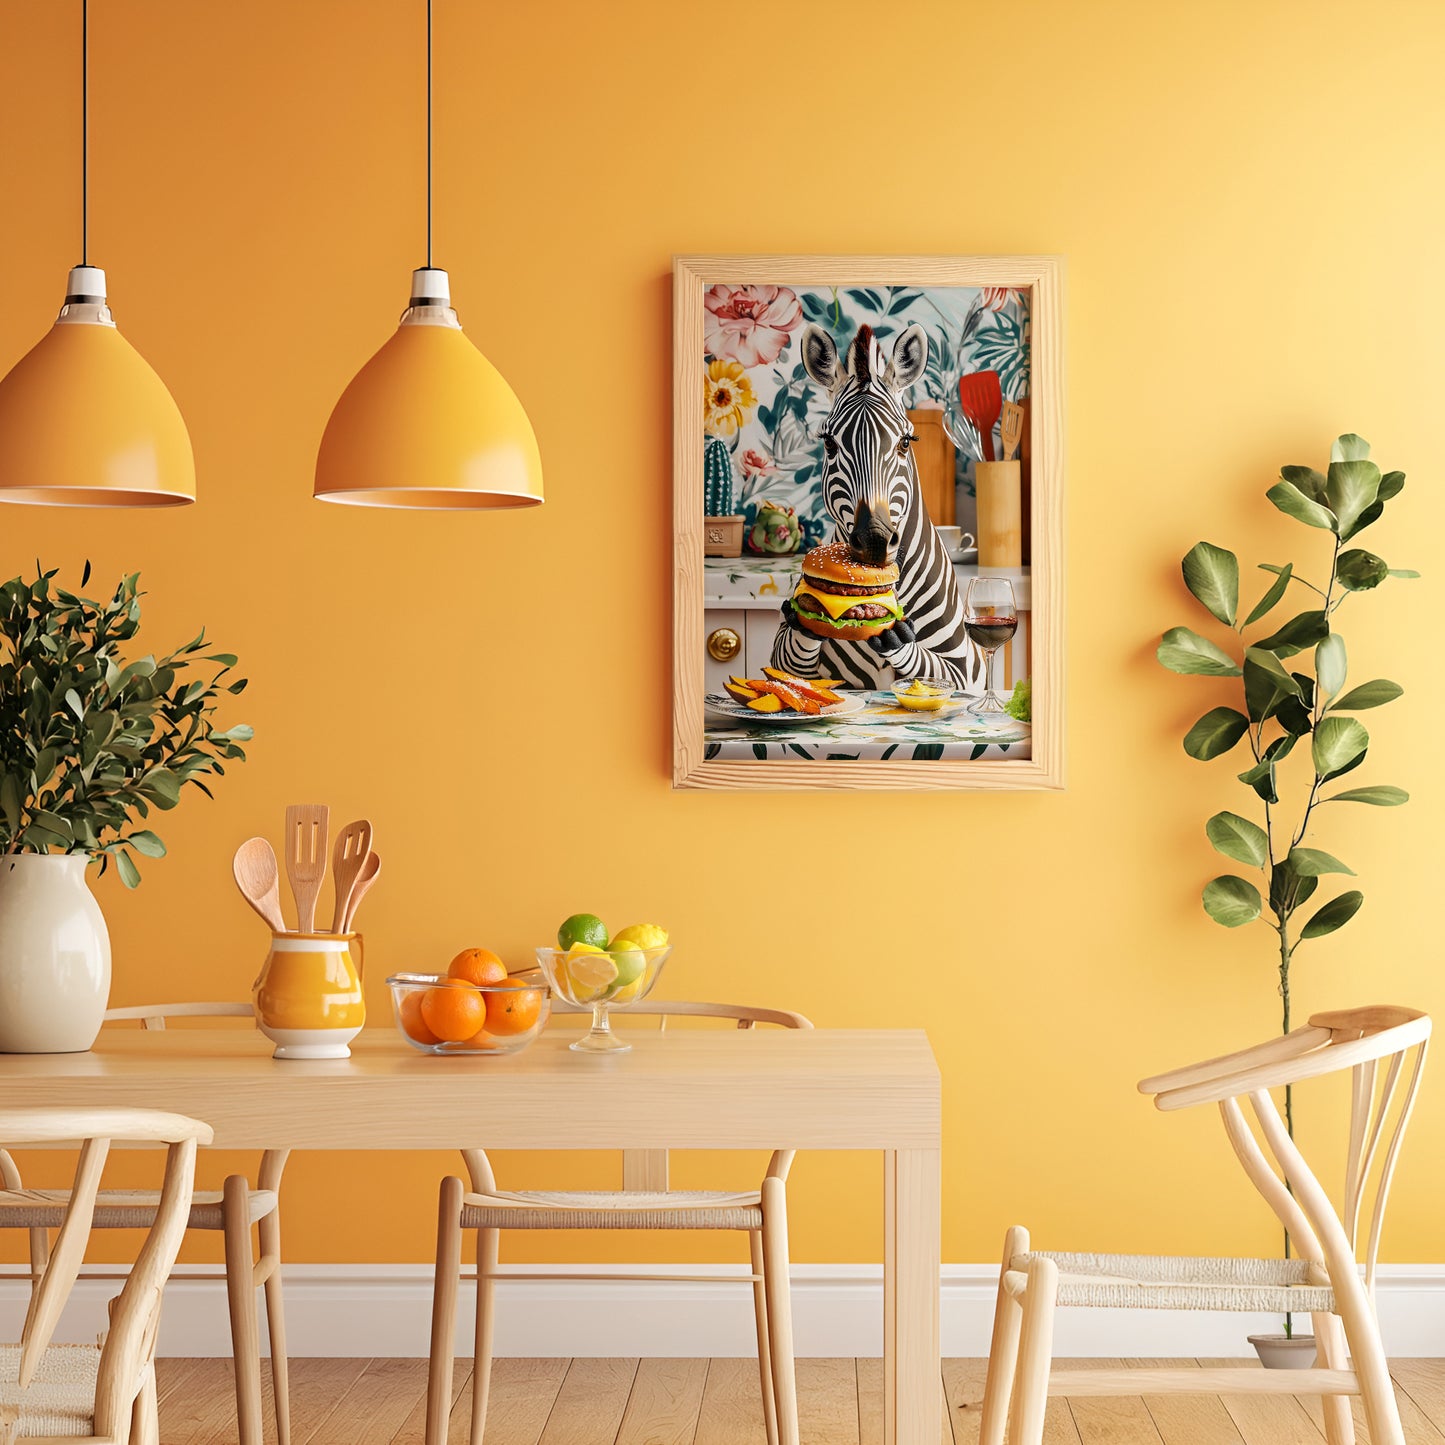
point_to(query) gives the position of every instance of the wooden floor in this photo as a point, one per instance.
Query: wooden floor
(715, 1402)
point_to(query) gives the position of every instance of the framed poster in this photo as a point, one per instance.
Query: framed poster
(868, 508)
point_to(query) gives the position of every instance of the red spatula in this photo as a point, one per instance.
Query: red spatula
(981, 398)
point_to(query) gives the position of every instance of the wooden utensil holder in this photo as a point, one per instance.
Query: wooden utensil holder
(934, 456)
(999, 490)
(722, 536)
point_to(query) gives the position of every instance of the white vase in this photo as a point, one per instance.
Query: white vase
(54, 955)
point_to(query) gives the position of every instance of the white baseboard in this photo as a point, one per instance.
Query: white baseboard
(385, 1310)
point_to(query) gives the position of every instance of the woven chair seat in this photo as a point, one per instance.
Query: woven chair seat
(606, 1209)
(61, 1397)
(1165, 1282)
(120, 1208)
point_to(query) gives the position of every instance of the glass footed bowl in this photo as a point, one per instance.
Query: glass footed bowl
(513, 1013)
(584, 981)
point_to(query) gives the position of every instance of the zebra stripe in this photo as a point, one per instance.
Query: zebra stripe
(869, 464)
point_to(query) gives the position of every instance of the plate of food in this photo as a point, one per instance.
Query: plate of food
(780, 697)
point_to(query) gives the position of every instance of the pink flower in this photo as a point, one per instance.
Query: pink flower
(757, 463)
(749, 324)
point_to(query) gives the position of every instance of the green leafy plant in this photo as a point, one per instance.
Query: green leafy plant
(90, 743)
(1286, 711)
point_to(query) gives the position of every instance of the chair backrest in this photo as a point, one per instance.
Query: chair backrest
(1381, 1046)
(135, 1313)
(647, 1169)
(154, 1015)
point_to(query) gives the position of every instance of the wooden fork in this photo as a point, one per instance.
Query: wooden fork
(307, 826)
(353, 848)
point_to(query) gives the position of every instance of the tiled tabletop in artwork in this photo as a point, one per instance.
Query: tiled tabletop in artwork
(882, 730)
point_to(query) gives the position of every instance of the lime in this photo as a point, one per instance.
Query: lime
(582, 928)
(643, 935)
(631, 962)
(589, 971)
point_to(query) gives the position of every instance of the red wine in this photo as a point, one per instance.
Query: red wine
(990, 632)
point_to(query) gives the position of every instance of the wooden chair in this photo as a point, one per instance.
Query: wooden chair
(1323, 1279)
(644, 1202)
(231, 1210)
(81, 1392)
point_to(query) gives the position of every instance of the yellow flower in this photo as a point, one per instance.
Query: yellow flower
(727, 395)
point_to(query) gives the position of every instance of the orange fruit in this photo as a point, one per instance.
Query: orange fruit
(479, 966)
(513, 1011)
(483, 1040)
(411, 1020)
(453, 1011)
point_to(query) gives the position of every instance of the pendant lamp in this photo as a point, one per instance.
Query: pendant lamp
(84, 421)
(429, 422)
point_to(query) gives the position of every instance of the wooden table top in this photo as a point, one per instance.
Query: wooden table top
(684, 1089)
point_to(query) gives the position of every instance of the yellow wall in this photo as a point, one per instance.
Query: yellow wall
(1250, 200)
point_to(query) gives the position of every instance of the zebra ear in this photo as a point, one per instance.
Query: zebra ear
(820, 357)
(910, 356)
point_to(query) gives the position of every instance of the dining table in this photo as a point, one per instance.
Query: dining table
(876, 1090)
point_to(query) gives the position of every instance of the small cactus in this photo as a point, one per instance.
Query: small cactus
(717, 478)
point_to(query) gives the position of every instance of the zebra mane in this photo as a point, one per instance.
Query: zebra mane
(862, 359)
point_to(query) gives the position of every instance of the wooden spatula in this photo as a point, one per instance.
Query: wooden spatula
(363, 886)
(353, 848)
(1012, 431)
(980, 396)
(307, 826)
(258, 878)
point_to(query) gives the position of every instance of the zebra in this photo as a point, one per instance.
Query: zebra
(871, 491)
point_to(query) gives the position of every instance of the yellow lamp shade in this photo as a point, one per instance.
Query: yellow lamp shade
(85, 422)
(429, 422)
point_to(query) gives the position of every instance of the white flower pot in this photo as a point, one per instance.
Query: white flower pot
(54, 955)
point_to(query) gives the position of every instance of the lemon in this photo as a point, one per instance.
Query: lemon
(583, 928)
(643, 935)
(589, 971)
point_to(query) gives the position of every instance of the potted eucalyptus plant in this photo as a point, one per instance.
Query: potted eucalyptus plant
(89, 744)
(1296, 717)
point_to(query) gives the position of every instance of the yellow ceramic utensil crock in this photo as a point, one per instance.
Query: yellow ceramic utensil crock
(308, 997)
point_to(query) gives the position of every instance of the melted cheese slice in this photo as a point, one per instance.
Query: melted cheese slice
(836, 606)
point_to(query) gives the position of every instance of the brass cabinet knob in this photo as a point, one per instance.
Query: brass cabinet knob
(724, 644)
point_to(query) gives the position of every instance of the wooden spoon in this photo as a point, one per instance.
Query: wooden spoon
(307, 826)
(258, 878)
(353, 848)
(1012, 431)
(369, 870)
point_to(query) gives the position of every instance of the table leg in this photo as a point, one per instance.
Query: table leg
(911, 1365)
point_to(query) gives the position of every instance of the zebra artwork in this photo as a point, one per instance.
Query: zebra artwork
(871, 491)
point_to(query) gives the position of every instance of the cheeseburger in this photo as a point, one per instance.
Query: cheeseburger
(841, 598)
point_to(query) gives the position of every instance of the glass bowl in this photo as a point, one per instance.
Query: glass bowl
(921, 694)
(510, 1014)
(583, 979)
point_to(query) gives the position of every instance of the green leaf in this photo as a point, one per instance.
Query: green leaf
(1261, 778)
(1238, 838)
(1382, 795)
(1403, 572)
(1338, 742)
(1367, 518)
(1391, 485)
(1215, 733)
(10, 799)
(161, 788)
(73, 702)
(1185, 651)
(146, 843)
(1349, 448)
(1331, 664)
(1266, 683)
(1309, 481)
(1277, 589)
(1293, 503)
(129, 873)
(1212, 574)
(1301, 631)
(1350, 487)
(1368, 694)
(1335, 914)
(1358, 570)
(1313, 863)
(1288, 889)
(1232, 901)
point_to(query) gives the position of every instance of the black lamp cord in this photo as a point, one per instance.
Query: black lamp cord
(85, 131)
(428, 132)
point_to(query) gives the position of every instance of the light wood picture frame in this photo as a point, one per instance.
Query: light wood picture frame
(739, 329)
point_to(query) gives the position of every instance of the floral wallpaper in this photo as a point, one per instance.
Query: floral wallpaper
(759, 400)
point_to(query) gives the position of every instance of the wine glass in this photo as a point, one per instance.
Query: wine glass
(990, 618)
